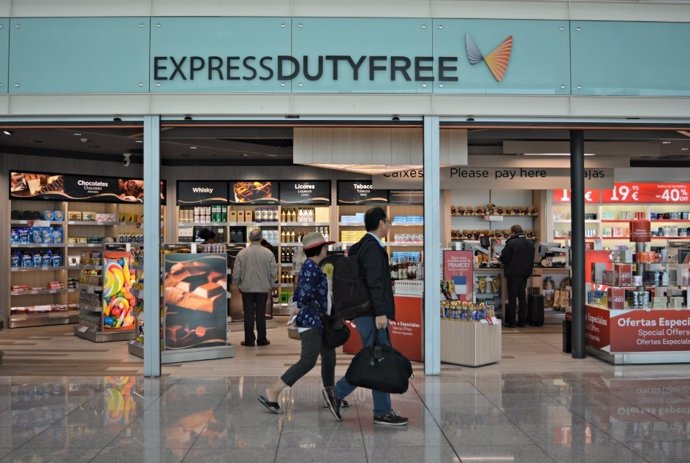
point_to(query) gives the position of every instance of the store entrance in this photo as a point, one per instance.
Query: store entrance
(475, 217)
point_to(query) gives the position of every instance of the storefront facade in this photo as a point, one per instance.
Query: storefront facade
(427, 64)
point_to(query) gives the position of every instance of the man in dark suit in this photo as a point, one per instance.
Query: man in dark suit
(518, 260)
(373, 259)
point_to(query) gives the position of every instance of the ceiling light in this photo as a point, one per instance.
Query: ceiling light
(665, 142)
(77, 134)
(553, 154)
(245, 155)
(192, 147)
(83, 139)
(272, 155)
(138, 141)
(7, 132)
(684, 149)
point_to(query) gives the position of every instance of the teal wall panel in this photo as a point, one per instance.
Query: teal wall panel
(357, 38)
(4, 53)
(210, 54)
(539, 63)
(79, 55)
(630, 58)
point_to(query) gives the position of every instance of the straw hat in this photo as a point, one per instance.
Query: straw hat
(314, 239)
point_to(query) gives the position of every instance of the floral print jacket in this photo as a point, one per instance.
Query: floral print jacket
(311, 295)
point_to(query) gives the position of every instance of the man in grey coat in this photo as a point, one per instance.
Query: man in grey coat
(254, 274)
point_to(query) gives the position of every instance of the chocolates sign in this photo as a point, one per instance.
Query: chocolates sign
(305, 192)
(197, 192)
(45, 186)
(360, 192)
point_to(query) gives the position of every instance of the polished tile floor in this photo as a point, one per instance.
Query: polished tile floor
(537, 405)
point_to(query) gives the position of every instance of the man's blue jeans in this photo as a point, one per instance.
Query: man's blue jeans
(367, 329)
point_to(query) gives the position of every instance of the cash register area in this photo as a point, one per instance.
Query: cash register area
(59, 403)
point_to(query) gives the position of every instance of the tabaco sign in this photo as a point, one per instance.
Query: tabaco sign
(313, 192)
(360, 192)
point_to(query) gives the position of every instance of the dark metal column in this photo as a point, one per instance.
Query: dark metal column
(577, 215)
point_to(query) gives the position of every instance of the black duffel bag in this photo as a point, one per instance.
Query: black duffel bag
(335, 331)
(380, 368)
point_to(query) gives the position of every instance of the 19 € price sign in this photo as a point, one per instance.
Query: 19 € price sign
(632, 193)
(648, 193)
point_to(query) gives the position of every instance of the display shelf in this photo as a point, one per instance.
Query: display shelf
(29, 222)
(92, 223)
(305, 224)
(350, 224)
(404, 245)
(85, 245)
(84, 267)
(103, 336)
(90, 308)
(203, 224)
(470, 343)
(36, 245)
(586, 221)
(293, 245)
(89, 288)
(394, 224)
(284, 265)
(34, 292)
(495, 215)
(254, 224)
(44, 318)
(36, 269)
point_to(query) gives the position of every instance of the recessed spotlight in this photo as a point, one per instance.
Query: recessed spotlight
(665, 142)
(83, 139)
(192, 147)
(138, 141)
(272, 155)
(685, 149)
(245, 155)
(77, 134)
(8, 132)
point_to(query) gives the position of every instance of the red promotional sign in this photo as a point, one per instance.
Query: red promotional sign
(597, 327)
(630, 193)
(640, 231)
(563, 196)
(655, 330)
(405, 331)
(457, 267)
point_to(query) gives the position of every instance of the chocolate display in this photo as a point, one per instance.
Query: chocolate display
(195, 300)
(247, 192)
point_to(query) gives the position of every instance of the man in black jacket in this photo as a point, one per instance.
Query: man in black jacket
(373, 259)
(518, 259)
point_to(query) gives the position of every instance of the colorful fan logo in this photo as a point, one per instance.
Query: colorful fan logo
(497, 60)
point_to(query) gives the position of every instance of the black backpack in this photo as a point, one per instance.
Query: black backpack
(350, 293)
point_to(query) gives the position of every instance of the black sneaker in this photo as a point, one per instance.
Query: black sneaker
(334, 403)
(343, 403)
(390, 419)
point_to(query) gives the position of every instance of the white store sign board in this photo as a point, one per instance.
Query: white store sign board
(512, 178)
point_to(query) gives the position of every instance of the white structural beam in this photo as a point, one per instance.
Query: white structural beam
(432, 246)
(152, 246)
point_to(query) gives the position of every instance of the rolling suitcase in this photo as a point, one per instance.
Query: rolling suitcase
(535, 310)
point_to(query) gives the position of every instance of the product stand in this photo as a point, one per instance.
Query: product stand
(470, 343)
(194, 307)
(623, 329)
(109, 296)
(81, 226)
